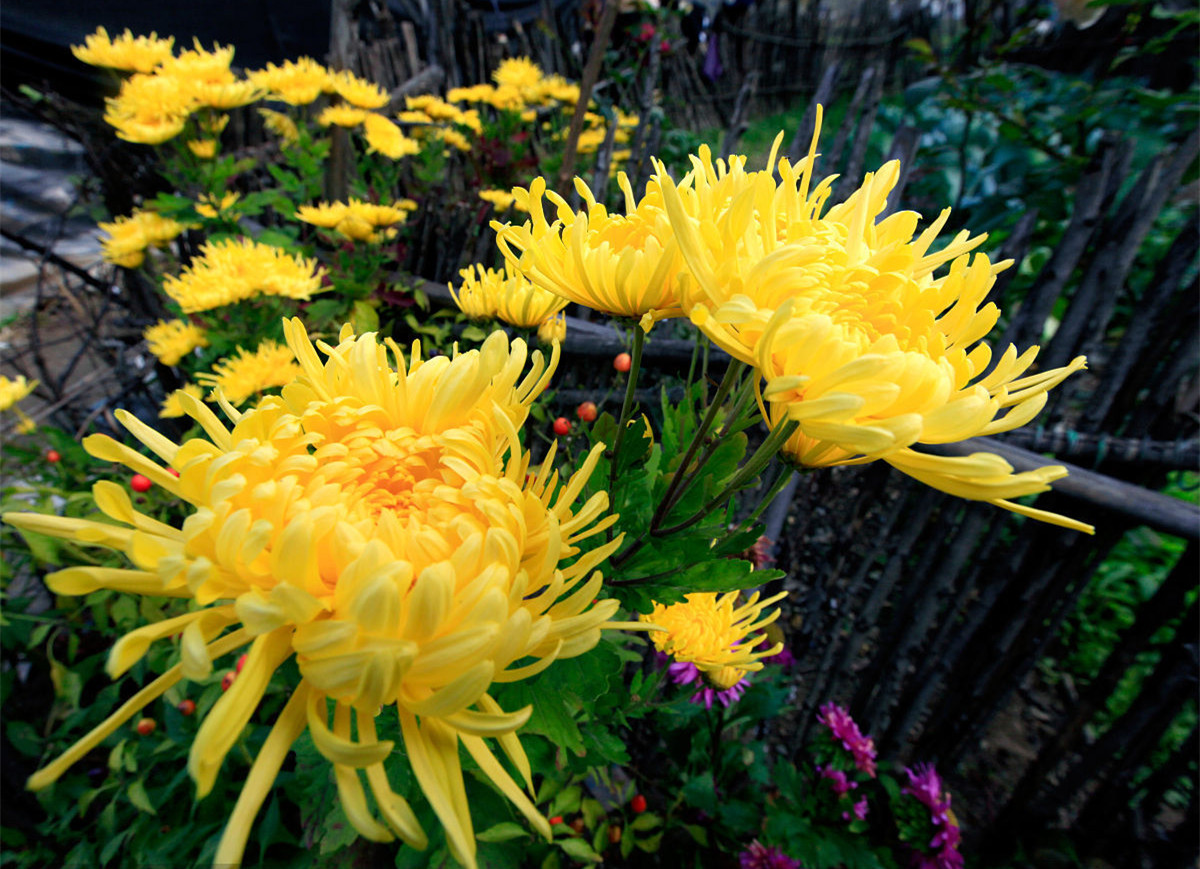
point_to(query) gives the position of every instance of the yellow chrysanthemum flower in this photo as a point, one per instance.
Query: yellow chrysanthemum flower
(624, 265)
(172, 406)
(296, 82)
(358, 91)
(171, 340)
(125, 239)
(205, 149)
(342, 115)
(281, 125)
(197, 65)
(150, 109)
(713, 633)
(229, 271)
(507, 295)
(12, 391)
(517, 72)
(854, 337)
(248, 374)
(386, 138)
(453, 138)
(225, 95)
(433, 107)
(356, 220)
(502, 199)
(553, 330)
(367, 523)
(126, 52)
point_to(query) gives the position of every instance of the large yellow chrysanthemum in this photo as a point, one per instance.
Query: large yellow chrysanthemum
(508, 295)
(231, 271)
(625, 265)
(378, 525)
(171, 340)
(855, 338)
(713, 633)
(125, 52)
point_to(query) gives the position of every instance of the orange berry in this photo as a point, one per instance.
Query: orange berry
(53, 456)
(241, 663)
(562, 425)
(557, 819)
(227, 680)
(614, 834)
(622, 362)
(186, 707)
(146, 726)
(586, 411)
(139, 483)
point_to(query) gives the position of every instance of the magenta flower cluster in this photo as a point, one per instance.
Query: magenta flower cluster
(759, 856)
(926, 786)
(845, 731)
(841, 786)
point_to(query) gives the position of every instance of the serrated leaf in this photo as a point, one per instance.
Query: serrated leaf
(566, 801)
(502, 832)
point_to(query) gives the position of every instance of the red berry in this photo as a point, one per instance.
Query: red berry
(562, 425)
(53, 456)
(586, 411)
(241, 663)
(140, 484)
(186, 707)
(227, 680)
(173, 472)
(557, 819)
(146, 726)
(638, 804)
(622, 362)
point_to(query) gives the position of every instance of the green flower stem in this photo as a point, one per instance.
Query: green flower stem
(749, 471)
(716, 725)
(639, 339)
(777, 485)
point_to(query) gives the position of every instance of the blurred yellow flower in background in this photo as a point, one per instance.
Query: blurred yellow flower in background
(125, 52)
(125, 239)
(296, 82)
(172, 406)
(230, 270)
(171, 340)
(246, 374)
(12, 391)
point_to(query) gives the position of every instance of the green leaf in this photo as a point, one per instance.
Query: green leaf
(502, 832)
(650, 844)
(566, 801)
(646, 821)
(138, 796)
(24, 738)
(698, 833)
(700, 793)
(578, 849)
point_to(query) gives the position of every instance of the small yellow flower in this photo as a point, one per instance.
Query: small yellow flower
(624, 265)
(12, 391)
(433, 107)
(173, 407)
(296, 82)
(126, 238)
(150, 109)
(380, 526)
(342, 115)
(502, 199)
(205, 149)
(507, 295)
(386, 138)
(225, 95)
(454, 139)
(171, 340)
(357, 91)
(247, 374)
(713, 633)
(126, 52)
(197, 65)
(230, 271)
(356, 220)
(517, 72)
(281, 125)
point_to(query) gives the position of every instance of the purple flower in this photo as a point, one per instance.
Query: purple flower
(925, 785)
(844, 730)
(841, 785)
(759, 856)
(686, 673)
(859, 811)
